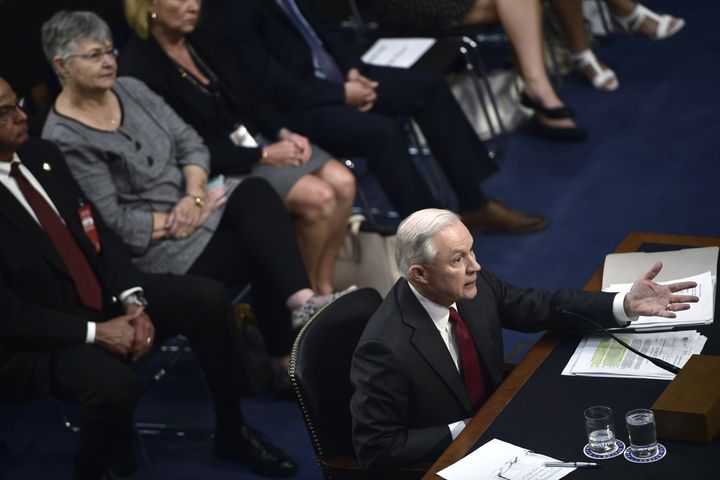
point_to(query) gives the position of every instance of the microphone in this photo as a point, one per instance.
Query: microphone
(655, 361)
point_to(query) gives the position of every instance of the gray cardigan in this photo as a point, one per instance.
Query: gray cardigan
(136, 170)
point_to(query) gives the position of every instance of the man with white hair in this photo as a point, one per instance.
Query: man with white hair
(432, 353)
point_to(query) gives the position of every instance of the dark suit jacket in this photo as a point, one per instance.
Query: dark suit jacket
(277, 56)
(213, 112)
(407, 388)
(37, 297)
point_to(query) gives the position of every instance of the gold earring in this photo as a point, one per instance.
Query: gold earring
(153, 16)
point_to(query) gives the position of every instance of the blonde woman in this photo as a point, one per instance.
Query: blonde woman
(190, 69)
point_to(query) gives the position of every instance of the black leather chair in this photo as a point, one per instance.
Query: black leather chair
(320, 375)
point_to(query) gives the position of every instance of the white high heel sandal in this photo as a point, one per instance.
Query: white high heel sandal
(604, 78)
(634, 20)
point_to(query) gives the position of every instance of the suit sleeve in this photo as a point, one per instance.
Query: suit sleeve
(378, 407)
(532, 310)
(31, 325)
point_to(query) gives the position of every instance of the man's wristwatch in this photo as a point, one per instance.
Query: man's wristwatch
(136, 299)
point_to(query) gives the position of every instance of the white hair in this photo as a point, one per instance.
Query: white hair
(61, 33)
(414, 241)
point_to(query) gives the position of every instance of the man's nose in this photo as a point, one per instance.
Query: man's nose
(473, 266)
(20, 115)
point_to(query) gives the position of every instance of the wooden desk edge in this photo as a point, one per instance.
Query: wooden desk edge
(522, 372)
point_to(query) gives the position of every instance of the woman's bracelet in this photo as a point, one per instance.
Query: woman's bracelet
(199, 201)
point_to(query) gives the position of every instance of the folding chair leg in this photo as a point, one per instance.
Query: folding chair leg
(144, 455)
(475, 65)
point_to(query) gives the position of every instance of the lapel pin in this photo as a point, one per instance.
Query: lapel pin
(47, 167)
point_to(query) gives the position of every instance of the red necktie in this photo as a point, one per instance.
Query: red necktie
(86, 283)
(470, 363)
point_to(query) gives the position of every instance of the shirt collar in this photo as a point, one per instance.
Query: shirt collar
(439, 314)
(5, 166)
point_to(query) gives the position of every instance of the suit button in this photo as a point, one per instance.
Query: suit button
(114, 299)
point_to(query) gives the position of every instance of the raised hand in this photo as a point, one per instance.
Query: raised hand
(651, 299)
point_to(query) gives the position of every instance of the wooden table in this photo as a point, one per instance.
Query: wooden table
(535, 357)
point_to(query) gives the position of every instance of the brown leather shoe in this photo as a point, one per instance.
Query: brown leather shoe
(495, 217)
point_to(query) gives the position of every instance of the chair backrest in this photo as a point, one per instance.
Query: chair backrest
(320, 369)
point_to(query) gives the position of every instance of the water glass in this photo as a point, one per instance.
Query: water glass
(640, 425)
(600, 429)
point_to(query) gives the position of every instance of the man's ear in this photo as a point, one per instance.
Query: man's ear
(418, 274)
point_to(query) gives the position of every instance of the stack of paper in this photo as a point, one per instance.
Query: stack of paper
(700, 313)
(601, 356)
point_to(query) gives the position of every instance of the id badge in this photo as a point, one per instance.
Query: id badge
(88, 223)
(242, 138)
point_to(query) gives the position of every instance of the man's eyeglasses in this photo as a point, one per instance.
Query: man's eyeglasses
(96, 55)
(7, 111)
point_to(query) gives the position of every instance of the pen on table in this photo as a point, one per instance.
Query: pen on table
(571, 464)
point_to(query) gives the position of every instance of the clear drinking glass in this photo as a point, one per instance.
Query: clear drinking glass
(600, 429)
(640, 425)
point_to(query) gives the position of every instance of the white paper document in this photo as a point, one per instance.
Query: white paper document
(513, 462)
(601, 356)
(700, 313)
(397, 52)
(626, 267)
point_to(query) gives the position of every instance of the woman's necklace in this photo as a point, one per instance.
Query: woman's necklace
(203, 67)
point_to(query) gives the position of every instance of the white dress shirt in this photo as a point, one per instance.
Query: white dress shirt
(440, 315)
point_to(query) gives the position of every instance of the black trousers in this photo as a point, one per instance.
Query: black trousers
(107, 387)
(378, 136)
(255, 243)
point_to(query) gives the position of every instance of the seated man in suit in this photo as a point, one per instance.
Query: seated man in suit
(75, 316)
(351, 109)
(433, 353)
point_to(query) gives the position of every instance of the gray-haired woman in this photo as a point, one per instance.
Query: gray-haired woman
(146, 172)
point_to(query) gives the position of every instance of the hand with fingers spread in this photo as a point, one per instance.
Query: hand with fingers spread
(651, 299)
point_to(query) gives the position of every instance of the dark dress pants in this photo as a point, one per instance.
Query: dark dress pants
(378, 136)
(107, 387)
(255, 243)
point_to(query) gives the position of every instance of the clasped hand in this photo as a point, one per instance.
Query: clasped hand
(292, 150)
(360, 91)
(127, 336)
(651, 299)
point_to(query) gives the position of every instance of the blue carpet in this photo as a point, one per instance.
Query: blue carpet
(650, 164)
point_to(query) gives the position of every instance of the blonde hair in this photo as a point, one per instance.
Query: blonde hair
(136, 13)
